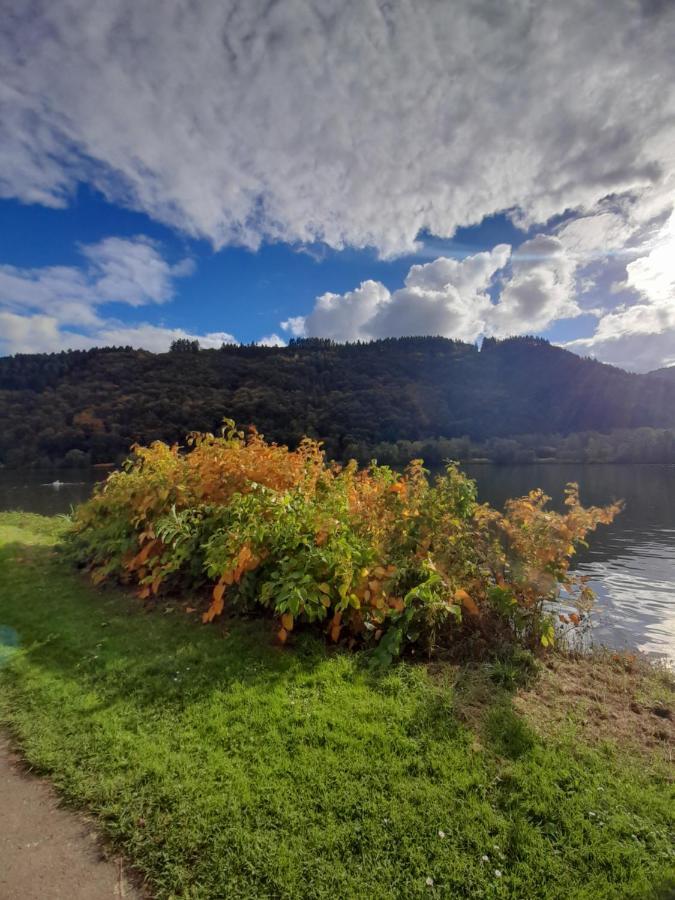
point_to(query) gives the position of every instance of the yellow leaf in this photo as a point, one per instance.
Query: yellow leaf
(287, 621)
(324, 588)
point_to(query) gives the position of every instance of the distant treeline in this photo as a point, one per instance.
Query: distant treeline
(392, 399)
(636, 445)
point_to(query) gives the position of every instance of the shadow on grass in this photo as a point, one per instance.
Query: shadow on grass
(106, 637)
(157, 654)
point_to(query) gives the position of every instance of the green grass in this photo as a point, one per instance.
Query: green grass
(226, 767)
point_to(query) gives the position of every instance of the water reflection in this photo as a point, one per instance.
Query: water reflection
(631, 563)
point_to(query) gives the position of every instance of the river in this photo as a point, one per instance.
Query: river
(631, 563)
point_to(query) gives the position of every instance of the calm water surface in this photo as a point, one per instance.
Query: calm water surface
(631, 563)
(49, 492)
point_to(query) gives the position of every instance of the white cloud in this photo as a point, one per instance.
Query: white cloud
(44, 334)
(640, 333)
(596, 236)
(653, 276)
(351, 124)
(58, 307)
(271, 340)
(452, 297)
(295, 326)
(154, 337)
(539, 291)
(447, 297)
(346, 317)
(29, 334)
(444, 297)
(130, 271)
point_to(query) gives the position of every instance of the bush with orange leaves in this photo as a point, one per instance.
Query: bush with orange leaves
(374, 557)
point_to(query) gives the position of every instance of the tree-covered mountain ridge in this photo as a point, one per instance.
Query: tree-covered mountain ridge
(91, 405)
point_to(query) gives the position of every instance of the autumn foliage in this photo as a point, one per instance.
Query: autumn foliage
(372, 556)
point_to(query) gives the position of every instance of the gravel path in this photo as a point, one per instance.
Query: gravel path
(47, 852)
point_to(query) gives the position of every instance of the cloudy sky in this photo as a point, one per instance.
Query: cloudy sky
(255, 170)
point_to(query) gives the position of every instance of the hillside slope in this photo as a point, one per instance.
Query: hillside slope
(100, 401)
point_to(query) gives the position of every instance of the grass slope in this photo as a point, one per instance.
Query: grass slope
(226, 767)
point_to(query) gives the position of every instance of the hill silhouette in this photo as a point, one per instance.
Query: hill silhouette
(90, 406)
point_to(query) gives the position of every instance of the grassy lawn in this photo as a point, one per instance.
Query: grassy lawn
(227, 767)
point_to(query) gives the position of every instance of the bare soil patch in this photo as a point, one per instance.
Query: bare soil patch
(48, 852)
(607, 696)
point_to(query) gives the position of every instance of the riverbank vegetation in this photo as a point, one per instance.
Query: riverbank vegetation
(393, 562)
(226, 766)
(621, 445)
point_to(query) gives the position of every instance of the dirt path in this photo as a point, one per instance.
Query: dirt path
(49, 853)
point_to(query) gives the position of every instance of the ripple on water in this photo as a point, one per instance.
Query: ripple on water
(635, 590)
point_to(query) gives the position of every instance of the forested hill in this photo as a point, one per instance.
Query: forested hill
(353, 396)
(667, 372)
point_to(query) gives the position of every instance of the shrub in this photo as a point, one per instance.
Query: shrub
(374, 557)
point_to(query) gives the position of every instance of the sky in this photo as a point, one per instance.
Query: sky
(259, 170)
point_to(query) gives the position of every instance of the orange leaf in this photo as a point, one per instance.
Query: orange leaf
(462, 597)
(287, 621)
(282, 634)
(217, 605)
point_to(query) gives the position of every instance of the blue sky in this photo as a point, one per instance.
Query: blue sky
(244, 292)
(237, 290)
(353, 176)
